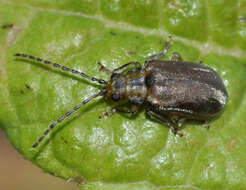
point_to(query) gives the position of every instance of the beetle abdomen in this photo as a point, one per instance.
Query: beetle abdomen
(186, 89)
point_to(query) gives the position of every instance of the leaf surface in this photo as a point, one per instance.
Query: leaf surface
(121, 152)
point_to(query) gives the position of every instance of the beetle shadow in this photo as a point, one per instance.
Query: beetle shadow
(196, 124)
(60, 72)
(187, 123)
(40, 148)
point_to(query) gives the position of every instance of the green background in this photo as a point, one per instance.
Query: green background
(121, 152)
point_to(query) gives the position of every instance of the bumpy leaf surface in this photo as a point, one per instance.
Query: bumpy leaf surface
(121, 152)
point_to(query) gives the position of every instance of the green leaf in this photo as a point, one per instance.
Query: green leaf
(121, 152)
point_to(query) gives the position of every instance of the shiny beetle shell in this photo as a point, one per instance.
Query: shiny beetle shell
(186, 89)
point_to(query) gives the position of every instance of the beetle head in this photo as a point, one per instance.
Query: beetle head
(116, 88)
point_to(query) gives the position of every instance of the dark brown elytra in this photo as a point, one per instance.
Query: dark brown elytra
(169, 91)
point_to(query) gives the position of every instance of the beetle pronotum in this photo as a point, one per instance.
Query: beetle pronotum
(170, 91)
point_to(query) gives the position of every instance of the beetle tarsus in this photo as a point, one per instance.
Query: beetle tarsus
(176, 57)
(161, 54)
(107, 114)
(104, 68)
(206, 125)
(124, 67)
(164, 121)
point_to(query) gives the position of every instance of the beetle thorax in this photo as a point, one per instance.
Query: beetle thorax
(135, 87)
(129, 88)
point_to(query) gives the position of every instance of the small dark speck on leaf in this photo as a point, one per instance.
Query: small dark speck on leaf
(21, 91)
(63, 140)
(232, 144)
(6, 26)
(28, 87)
(242, 19)
(131, 52)
(113, 33)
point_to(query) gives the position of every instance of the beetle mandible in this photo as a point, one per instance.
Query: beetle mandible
(170, 91)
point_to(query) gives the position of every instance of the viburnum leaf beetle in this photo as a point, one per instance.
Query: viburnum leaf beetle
(170, 91)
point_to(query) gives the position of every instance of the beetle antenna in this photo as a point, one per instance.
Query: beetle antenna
(58, 66)
(65, 116)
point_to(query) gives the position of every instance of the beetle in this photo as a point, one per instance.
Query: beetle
(170, 91)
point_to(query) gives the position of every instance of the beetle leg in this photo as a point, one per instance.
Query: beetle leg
(107, 114)
(177, 120)
(164, 121)
(162, 54)
(132, 111)
(206, 124)
(124, 67)
(103, 68)
(176, 57)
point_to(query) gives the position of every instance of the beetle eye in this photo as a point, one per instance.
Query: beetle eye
(114, 75)
(115, 97)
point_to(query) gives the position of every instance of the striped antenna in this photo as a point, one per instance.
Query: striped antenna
(58, 66)
(66, 115)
